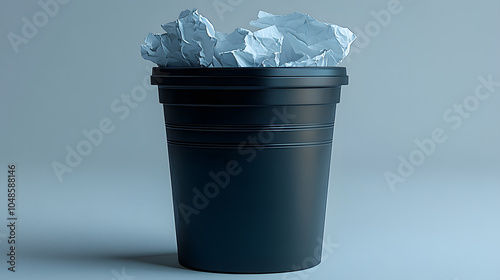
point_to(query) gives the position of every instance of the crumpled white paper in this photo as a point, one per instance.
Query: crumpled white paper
(188, 41)
(294, 40)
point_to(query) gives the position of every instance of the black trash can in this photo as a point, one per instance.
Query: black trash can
(249, 152)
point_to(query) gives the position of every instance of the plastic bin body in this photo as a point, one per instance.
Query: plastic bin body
(249, 152)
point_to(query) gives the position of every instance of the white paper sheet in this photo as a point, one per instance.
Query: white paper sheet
(294, 40)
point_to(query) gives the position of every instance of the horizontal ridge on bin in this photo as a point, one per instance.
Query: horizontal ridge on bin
(242, 105)
(236, 145)
(250, 82)
(251, 128)
(252, 71)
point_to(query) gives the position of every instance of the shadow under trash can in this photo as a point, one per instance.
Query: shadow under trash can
(249, 151)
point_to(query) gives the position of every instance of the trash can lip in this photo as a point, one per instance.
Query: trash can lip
(251, 71)
(247, 82)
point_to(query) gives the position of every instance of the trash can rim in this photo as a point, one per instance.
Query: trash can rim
(252, 71)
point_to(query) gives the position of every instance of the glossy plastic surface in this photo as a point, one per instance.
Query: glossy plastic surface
(249, 152)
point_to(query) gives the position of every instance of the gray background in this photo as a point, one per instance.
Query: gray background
(112, 215)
